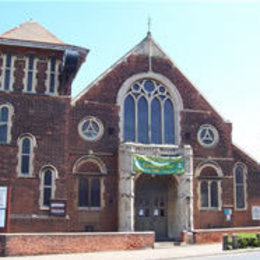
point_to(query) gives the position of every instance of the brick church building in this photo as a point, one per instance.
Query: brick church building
(139, 149)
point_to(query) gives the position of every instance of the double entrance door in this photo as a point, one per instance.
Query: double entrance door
(151, 205)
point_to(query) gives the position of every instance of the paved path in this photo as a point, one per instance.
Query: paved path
(162, 251)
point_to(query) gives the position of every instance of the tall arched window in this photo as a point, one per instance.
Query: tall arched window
(26, 144)
(90, 171)
(6, 112)
(240, 186)
(209, 179)
(148, 113)
(48, 176)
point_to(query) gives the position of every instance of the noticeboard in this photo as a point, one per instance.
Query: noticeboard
(256, 212)
(58, 208)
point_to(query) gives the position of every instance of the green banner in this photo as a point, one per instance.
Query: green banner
(158, 165)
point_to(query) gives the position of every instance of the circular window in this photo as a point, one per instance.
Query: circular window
(207, 135)
(91, 128)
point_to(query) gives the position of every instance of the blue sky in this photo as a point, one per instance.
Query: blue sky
(216, 44)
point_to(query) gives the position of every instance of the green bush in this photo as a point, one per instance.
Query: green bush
(247, 240)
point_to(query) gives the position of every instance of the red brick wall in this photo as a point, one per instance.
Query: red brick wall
(214, 236)
(28, 244)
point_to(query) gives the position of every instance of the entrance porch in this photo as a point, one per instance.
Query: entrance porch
(159, 203)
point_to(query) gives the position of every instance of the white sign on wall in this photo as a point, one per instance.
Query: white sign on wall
(256, 212)
(3, 205)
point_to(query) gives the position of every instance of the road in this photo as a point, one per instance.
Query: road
(240, 256)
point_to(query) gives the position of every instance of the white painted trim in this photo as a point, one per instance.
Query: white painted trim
(26, 72)
(56, 77)
(100, 125)
(174, 93)
(243, 166)
(209, 208)
(53, 187)
(215, 134)
(33, 144)
(219, 172)
(90, 158)
(209, 163)
(11, 80)
(10, 122)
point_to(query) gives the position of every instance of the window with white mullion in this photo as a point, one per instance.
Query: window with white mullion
(148, 97)
(31, 62)
(53, 75)
(7, 73)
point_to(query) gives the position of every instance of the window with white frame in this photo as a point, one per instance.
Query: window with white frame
(30, 74)
(209, 188)
(209, 194)
(6, 112)
(90, 171)
(53, 75)
(240, 186)
(6, 80)
(26, 144)
(148, 115)
(48, 177)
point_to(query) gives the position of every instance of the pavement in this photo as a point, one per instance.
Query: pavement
(165, 251)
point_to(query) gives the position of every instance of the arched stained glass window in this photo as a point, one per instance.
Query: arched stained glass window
(169, 123)
(142, 121)
(129, 119)
(148, 113)
(156, 122)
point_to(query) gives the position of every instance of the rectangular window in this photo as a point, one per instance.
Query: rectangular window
(52, 76)
(46, 196)
(30, 66)
(209, 194)
(7, 72)
(89, 192)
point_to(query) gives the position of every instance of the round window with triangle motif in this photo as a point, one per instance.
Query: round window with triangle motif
(91, 128)
(208, 135)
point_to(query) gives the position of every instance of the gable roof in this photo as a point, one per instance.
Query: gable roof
(31, 31)
(147, 47)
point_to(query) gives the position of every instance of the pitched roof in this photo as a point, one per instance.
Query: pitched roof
(31, 31)
(147, 47)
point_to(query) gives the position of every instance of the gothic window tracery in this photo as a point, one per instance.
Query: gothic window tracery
(148, 113)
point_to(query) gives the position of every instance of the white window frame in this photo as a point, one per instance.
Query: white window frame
(53, 186)
(98, 122)
(171, 88)
(56, 77)
(90, 175)
(33, 144)
(209, 180)
(209, 207)
(34, 72)
(2, 77)
(243, 166)
(9, 122)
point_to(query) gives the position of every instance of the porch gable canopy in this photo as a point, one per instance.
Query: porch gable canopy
(158, 165)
